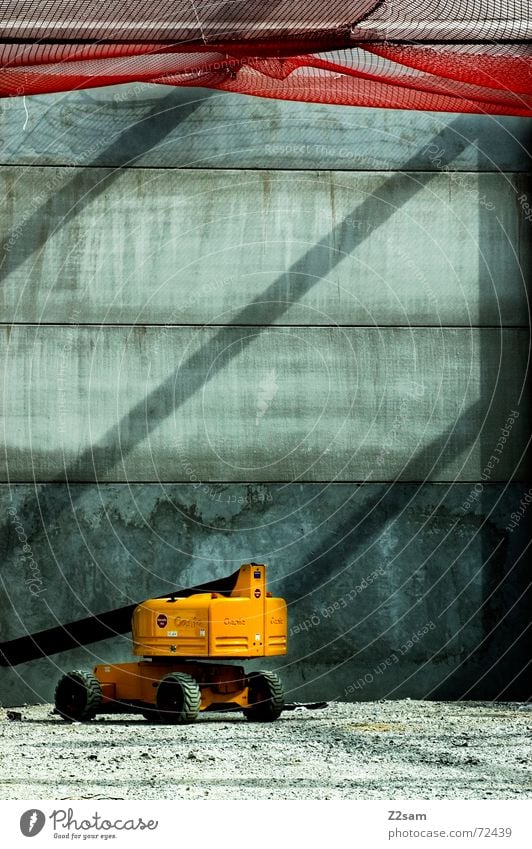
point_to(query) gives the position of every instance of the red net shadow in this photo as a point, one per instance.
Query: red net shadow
(445, 55)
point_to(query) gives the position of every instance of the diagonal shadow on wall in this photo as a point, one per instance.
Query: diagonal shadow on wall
(170, 394)
(330, 559)
(166, 398)
(88, 183)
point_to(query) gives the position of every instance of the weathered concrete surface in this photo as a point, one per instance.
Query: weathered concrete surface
(262, 404)
(161, 126)
(263, 247)
(368, 570)
(393, 590)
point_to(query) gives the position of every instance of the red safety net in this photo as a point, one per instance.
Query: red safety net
(446, 55)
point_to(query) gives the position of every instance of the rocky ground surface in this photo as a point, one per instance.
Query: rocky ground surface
(370, 750)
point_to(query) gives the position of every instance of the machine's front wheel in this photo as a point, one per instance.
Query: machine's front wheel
(78, 696)
(266, 697)
(178, 699)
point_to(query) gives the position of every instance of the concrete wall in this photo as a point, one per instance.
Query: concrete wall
(262, 247)
(239, 329)
(234, 404)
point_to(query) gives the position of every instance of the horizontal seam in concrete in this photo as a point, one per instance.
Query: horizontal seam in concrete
(284, 484)
(264, 483)
(208, 326)
(253, 169)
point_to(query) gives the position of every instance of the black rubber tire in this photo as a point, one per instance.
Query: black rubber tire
(151, 715)
(78, 696)
(266, 697)
(178, 699)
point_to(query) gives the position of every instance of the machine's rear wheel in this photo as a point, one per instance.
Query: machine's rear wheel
(266, 697)
(151, 715)
(78, 696)
(178, 699)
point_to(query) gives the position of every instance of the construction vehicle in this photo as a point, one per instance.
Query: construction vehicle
(180, 643)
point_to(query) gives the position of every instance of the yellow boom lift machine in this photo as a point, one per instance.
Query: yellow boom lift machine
(181, 644)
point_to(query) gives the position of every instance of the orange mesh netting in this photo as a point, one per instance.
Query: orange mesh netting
(447, 55)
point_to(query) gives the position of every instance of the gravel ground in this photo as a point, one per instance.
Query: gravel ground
(370, 750)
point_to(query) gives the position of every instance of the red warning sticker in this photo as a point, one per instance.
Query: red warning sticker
(257, 593)
(162, 620)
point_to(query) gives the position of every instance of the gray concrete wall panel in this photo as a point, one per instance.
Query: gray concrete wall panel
(386, 592)
(261, 247)
(159, 126)
(262, 404)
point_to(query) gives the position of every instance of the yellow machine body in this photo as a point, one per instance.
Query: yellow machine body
(181, 644)
(136, 683)
(248, 623)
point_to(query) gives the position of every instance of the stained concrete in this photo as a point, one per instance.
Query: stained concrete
(161, 126)
(263, 247)
(235, 404)
(393, 590)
